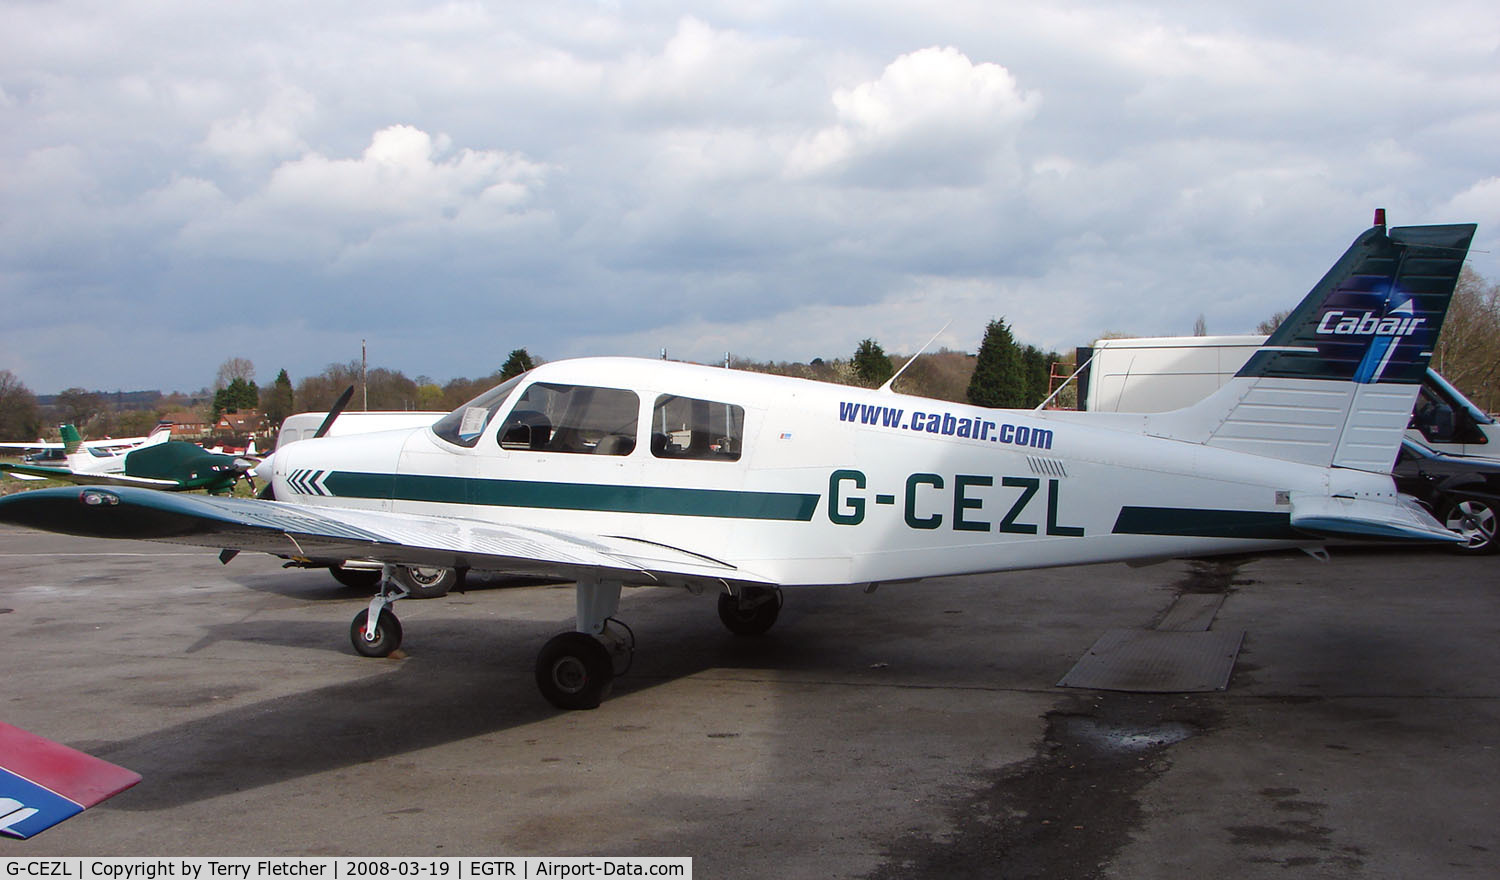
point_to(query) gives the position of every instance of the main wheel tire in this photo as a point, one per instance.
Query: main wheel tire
(387, 634)
(574, 671)
(356, 578)
(750, 618)
(1476, 520)
(426, 581)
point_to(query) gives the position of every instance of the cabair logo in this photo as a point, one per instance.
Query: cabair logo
(1341, 323)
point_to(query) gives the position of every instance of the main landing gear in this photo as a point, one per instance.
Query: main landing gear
(577, 669)
(574, 670)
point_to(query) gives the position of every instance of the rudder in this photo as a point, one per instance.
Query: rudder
(1335, 384)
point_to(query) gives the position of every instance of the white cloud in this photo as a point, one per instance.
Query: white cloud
(405, 183)
(933, 117)
(272, 133)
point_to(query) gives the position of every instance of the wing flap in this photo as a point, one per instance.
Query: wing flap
(335, 533)
(1400, 519)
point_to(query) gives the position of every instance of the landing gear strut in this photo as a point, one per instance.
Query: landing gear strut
(750, 612)
(382, 639)
(576, 670)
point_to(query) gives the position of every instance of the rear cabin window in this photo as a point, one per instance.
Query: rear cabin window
(685, 427)
(576, 419)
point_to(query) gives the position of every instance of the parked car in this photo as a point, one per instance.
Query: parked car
(1462, 491)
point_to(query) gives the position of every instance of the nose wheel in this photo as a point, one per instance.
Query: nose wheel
(385, 639)
(382, 639)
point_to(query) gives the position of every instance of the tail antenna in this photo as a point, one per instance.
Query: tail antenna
(892, 381)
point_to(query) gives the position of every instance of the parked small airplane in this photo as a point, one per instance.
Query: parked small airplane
(619, 472)
(71, 441)
(88, 456)
(171, 465)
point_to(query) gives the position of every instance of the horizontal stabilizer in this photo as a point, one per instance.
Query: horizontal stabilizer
(1341, 517)
(43, 783)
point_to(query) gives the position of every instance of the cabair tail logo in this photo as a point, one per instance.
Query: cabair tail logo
(1381, 334)
(1399, 322)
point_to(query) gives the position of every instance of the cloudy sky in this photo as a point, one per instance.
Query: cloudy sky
(183, 182)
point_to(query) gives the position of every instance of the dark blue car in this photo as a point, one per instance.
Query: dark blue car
(1463, 491)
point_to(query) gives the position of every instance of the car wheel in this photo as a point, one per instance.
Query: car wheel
(426, 582)
(1474, 519)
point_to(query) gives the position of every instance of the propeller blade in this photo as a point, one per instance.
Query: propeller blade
(338, 407)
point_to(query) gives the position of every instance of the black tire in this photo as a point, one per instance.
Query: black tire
(1476, 520)
(356, 578)
(426, 582)
(751, 618)
(574, 671)
(387, 634)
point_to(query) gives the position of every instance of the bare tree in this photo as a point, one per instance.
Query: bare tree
(1269, 325)
(19, 417)
(1468, 350)
(78, 407)
(234, 368)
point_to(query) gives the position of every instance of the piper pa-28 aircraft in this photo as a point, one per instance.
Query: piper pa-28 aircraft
(618, 472)
(79, 456)
(159, 463)
(72, 442)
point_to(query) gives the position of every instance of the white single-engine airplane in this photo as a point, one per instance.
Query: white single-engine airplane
(72, 442)
(618, 472)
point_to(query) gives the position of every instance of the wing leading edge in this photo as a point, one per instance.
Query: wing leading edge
(297, 531)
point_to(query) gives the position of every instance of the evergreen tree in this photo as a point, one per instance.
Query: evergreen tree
(999, 377)
(280, 402)
(237, 395)
(518, 363)
(1037, 365)
(871, 364)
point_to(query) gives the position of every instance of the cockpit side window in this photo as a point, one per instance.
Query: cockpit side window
(575, 419)
(685, 427)
(463, 426)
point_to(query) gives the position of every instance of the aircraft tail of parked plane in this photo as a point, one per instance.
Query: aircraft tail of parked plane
(1335, 384)
(616, 471)
(43, 783)
(72, 441)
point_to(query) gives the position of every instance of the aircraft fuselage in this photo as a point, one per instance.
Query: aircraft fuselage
(827, 484)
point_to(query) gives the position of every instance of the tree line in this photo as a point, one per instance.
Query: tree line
(1003, 373)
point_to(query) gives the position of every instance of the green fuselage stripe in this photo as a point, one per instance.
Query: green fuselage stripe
(1195, 523)
(574, 496)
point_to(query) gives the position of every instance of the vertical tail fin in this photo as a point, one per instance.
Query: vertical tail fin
(1335, 384)
(70, 438)
(159, 434)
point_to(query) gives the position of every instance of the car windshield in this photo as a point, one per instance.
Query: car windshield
(463, 426)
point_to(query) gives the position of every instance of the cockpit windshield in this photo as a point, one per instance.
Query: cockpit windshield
(463, 426)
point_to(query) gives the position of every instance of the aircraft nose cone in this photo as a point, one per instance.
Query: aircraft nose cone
(262, 469)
